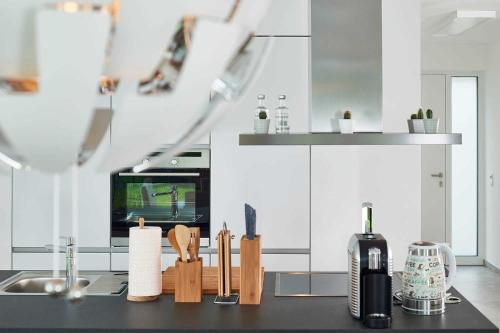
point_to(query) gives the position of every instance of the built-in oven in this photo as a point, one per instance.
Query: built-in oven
(177, 192)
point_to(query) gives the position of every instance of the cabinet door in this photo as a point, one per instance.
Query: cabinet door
(5, 216)
(274, 180)
(43, 261)
(343, 178)
(32, 194)
(94, 203)
(286, 18)
(275, 262)
(119, 261)
(32, 207)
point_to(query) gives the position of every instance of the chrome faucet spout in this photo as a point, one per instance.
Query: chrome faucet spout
(70, 263)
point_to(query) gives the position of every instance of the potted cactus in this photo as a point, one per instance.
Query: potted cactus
(261, 124)
(431, 125)
(418, 122)
(346, 124)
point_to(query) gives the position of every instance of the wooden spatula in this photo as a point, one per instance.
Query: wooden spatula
(173, 241)
(183, 236)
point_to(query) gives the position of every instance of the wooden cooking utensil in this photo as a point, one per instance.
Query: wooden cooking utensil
(183, 236)
(173, 241)
(191, 249)
(194, 245)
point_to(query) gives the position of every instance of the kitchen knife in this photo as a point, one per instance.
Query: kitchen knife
(250, 221)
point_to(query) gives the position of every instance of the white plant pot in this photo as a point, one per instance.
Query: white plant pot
(431, 126)
(335, 125)
(346, 126)
(418, 126)
(261, 126)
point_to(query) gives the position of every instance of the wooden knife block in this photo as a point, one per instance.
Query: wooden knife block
(251, 277)
(188, 279)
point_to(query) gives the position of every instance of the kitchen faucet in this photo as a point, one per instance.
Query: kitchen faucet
(71, 271)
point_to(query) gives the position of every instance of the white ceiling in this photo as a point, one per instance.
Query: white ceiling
(435, 12)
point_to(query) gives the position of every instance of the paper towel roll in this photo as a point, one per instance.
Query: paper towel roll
(144, 265)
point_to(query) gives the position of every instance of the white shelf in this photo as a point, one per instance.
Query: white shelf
(364, 139)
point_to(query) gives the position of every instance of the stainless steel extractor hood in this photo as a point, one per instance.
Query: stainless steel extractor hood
(346, 63)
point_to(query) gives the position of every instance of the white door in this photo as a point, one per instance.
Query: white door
(450, 174)
(434, 163)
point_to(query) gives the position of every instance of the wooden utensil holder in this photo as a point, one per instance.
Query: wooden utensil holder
(251, 277)
(208, 280)
(188, 280)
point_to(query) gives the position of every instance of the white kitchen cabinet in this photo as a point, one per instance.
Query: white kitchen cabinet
(275, 262)
(32, 207)
(274, 180)
(342, 178)
(335, 205)
(32, 193)
(43, 261)
(287, 18)
(5, 216)
(119, 261)
(125, 131)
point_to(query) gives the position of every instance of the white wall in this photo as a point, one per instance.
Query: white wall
(395, 177)
(5, 216)
(453, 57)
(274, 180)
(389, 176)
(401, 62)
(492, 165)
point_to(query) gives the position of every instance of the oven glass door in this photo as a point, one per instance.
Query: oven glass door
(163, 197)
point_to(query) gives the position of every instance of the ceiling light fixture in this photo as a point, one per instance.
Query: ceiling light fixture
(463, 20)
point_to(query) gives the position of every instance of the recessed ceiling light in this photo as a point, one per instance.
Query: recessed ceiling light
(463, 20)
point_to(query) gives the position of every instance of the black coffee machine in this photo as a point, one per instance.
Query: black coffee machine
(370, 275)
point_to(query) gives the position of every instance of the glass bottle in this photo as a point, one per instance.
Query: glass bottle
(282, 115)
(261, 107)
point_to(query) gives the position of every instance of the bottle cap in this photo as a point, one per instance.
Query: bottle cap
(367, 217)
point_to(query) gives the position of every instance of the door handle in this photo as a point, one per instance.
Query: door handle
(438, 175)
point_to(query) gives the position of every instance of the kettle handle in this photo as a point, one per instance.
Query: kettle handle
(452, 264)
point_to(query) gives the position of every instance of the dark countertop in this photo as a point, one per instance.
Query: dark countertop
(298, 314)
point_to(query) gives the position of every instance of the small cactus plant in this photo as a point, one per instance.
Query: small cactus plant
(420, 114)
(347, 115)
(429, 113)
(262, 115)
(413, 116)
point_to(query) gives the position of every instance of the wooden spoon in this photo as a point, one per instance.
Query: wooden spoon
(173, 241)
(183, 236)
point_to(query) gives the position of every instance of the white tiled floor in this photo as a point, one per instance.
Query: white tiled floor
(481, 286)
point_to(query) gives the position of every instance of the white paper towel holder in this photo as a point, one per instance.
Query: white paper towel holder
(132, 298)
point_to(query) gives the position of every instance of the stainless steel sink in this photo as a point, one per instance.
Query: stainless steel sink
(36, 285)
(94, 283)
